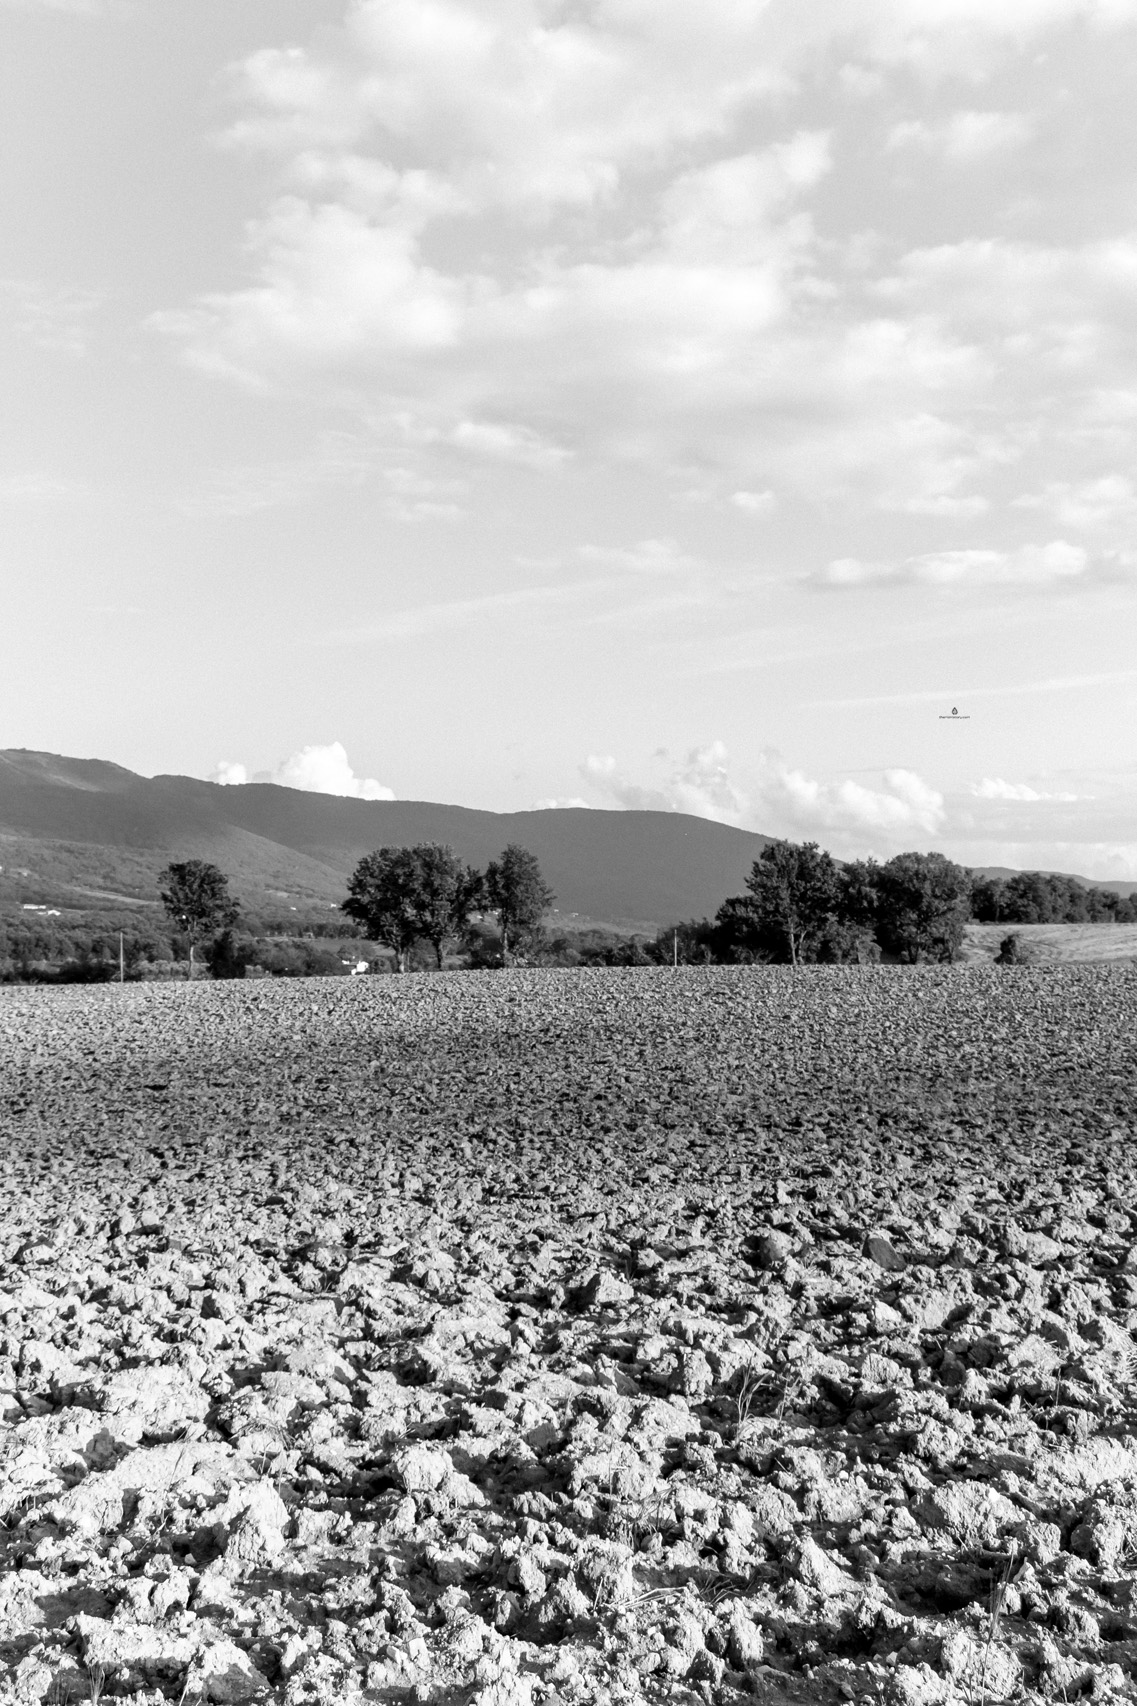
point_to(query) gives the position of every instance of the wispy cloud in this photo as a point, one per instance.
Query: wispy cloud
(965, 136)
(650, 557)
(56, 318)
(995, 788)
(962, 696)
(1055, 564)
(79, 8)
(455, 613)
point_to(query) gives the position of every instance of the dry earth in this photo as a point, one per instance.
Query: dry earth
(549, 1337)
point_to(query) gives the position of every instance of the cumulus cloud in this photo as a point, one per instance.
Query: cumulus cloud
(905, 804)
(699, 784)
(600, 234)
(778, 799)
(553, 804)
(314, 769)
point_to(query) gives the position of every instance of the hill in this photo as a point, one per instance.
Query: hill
(1112, 885)
(84, 833)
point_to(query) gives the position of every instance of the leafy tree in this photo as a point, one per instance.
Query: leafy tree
(517, 892)
(849, 937)
(923, 901)
(401, 893)
(230, 952)
(988, 899)
(197, 899)
(795, 894)
(693, 943)
(743, 936)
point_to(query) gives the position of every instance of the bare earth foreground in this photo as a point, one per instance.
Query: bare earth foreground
(571, 1337)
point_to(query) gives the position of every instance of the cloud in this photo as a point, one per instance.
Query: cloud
(79, 8)
(314, 770)
(649, 557)
(44, 489)
(52, 317)
(699, 784)
(579, 236)
(962, 696)
(335, 288)
(1029, 565)
(754, 503)
(905, 804)
(1105, 503)
(551, 805)
(778, 799)
(994, 788)
(965, 136)
(505, 443)
(457, 612)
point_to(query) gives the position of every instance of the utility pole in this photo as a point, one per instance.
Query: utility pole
(674, 949)
(121, 960)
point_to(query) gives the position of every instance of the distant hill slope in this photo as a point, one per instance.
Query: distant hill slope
(81, 827)
(1112, 885)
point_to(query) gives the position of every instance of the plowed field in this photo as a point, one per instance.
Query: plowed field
(542, 1337)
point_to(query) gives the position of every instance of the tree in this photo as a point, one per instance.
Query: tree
(923, 901)
(516, 891)
(795, 894)
(197, 899)
(401, 893)
(741, 936)
(230, 953)
(988, 899)
(692, 943)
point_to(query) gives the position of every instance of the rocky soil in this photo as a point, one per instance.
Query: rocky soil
(541, 1337)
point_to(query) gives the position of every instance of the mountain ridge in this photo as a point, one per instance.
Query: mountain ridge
(85, 827)
(83, 823)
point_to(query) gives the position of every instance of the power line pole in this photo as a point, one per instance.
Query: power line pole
(674, 949)
(121, 960)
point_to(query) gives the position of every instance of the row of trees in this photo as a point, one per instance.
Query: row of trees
(1038, 897)
(397, 896)
(799, 907)
(401, 895)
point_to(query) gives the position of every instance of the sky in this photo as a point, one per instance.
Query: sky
(610, 402)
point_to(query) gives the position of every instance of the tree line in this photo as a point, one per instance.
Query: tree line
(799, 907)
(802, 907)
(398, 897)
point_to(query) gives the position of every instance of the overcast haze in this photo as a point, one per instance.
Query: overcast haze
(623, 402)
